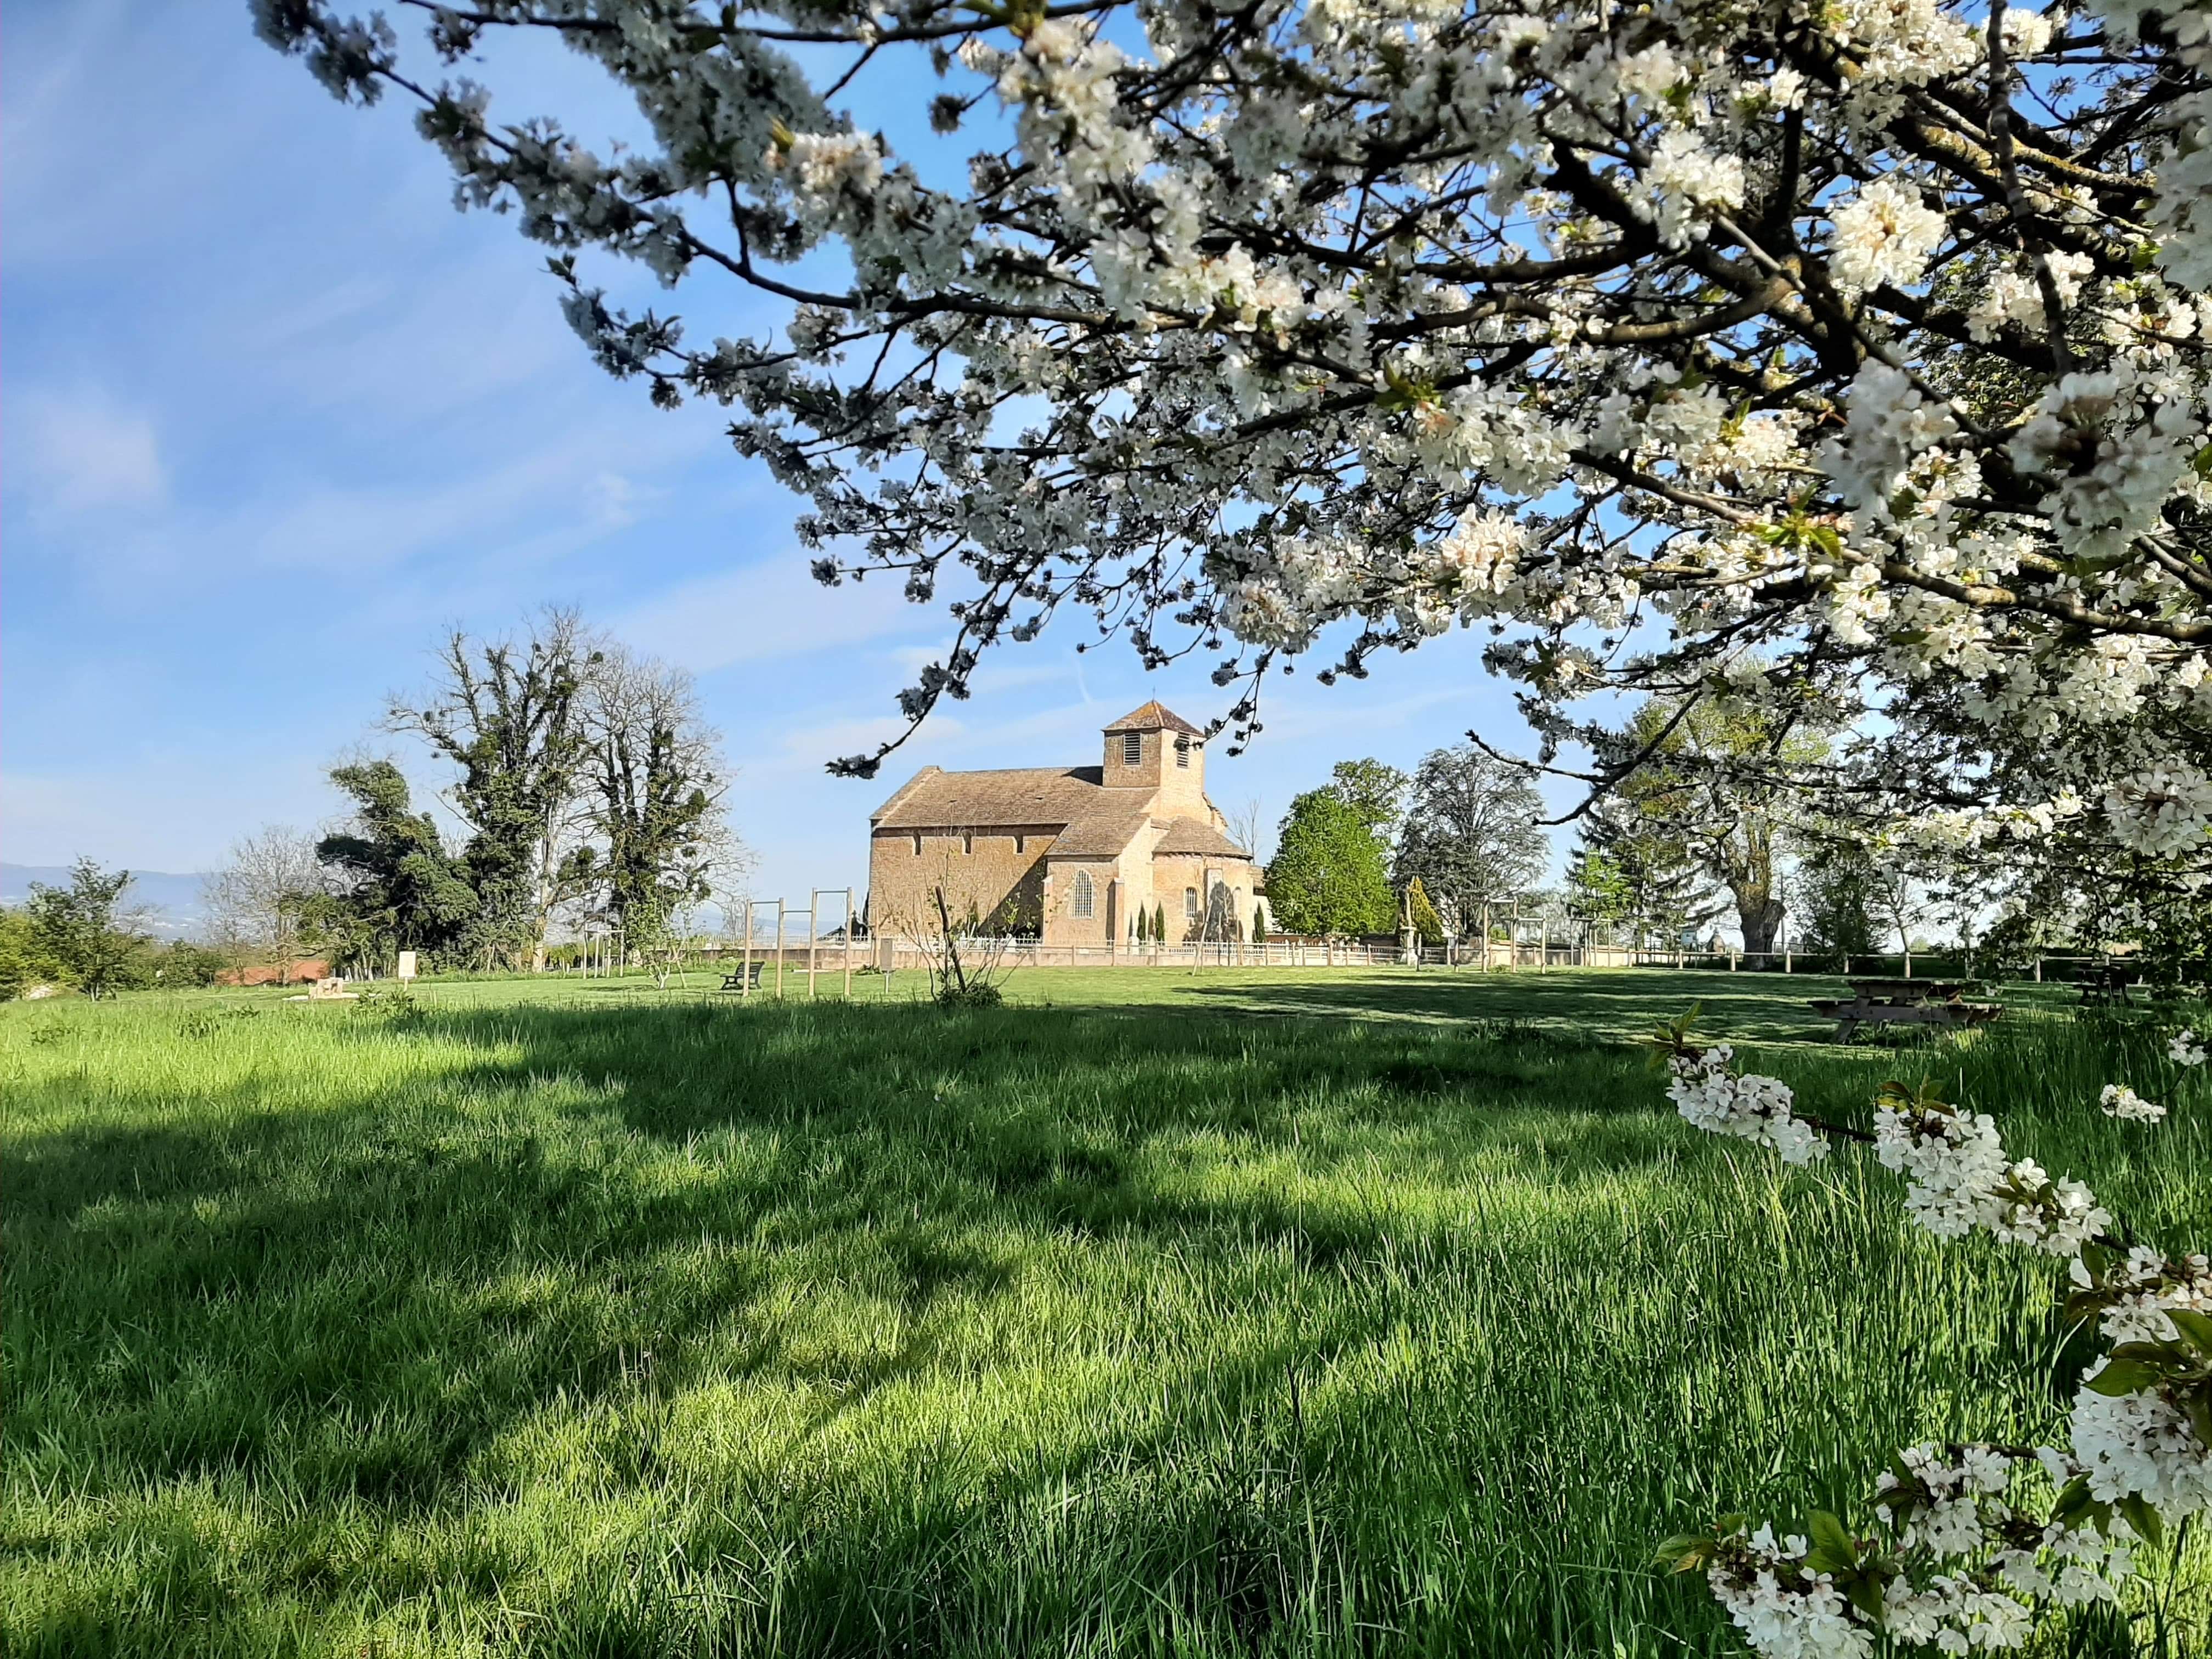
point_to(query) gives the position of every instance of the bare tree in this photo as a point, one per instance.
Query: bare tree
(255, 903)
(1247, 823)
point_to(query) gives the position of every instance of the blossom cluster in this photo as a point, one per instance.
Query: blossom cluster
(2117, 1100)
(1985, 1567)
(1974, 1547)
(1339, 327)
(1960, 1179)
(1785, 1608)
(1709, 1093)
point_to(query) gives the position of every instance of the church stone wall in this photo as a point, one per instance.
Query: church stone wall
(987, 869)
(1172, 872)
(1109, 917)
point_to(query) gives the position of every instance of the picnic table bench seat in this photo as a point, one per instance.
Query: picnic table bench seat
(1903, 1002)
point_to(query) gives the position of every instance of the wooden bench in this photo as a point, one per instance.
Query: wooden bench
(1903, 1002)
(747, 978)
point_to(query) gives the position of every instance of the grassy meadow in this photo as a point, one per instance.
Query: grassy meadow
(1157, 1313)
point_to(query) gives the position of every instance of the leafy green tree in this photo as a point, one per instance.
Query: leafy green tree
(507, 715)
(1160, 924)
(394, 887)
(1259, 924)
(1472, 833)
(1375, 791)
(184, 964)
(27, 959)
(82, 928)
(1328, 875)
(1718, 776)
(1836, 893)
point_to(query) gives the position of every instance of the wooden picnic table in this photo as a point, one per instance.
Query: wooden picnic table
(1911, 990)
(2108, 984)
(1903, 1002)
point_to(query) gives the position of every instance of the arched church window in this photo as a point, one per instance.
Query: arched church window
(1082, 898)
(917, 844)
(1190, 903)
(968, 843)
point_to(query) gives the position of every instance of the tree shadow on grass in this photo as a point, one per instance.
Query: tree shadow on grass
(381, 1262)
(501, 1273)
(1615, 1006)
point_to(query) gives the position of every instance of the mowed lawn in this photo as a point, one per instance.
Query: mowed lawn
(1157, 1313)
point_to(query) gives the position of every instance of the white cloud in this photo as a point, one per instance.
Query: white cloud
(81, 452)
(770, 608)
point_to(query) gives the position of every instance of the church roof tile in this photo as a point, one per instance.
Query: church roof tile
(1154, 718)
(1045, 796)
(1189, 835)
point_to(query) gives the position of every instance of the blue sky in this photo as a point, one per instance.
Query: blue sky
(275, 414)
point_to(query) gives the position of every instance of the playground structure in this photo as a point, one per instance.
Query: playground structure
(747, 979)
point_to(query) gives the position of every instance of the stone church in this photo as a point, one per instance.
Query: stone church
(1070, 854)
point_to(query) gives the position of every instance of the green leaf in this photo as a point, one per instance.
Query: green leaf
(2196, 1406)
(2137, 1512)
(1833, 1550)
(2195, 1328)
(1864, 1591)
(1685, 1552)
(2123, 1376)
(2074, 1503)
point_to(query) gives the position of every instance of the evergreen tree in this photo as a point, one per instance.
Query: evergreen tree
(1428, 925)
(1632, 869)
(395, 887)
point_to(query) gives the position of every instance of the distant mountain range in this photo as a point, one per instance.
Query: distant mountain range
(172, 901)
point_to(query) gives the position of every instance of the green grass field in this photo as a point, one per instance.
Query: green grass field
(1159, 1313)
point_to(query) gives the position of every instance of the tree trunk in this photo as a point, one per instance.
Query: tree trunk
(1760, 917)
